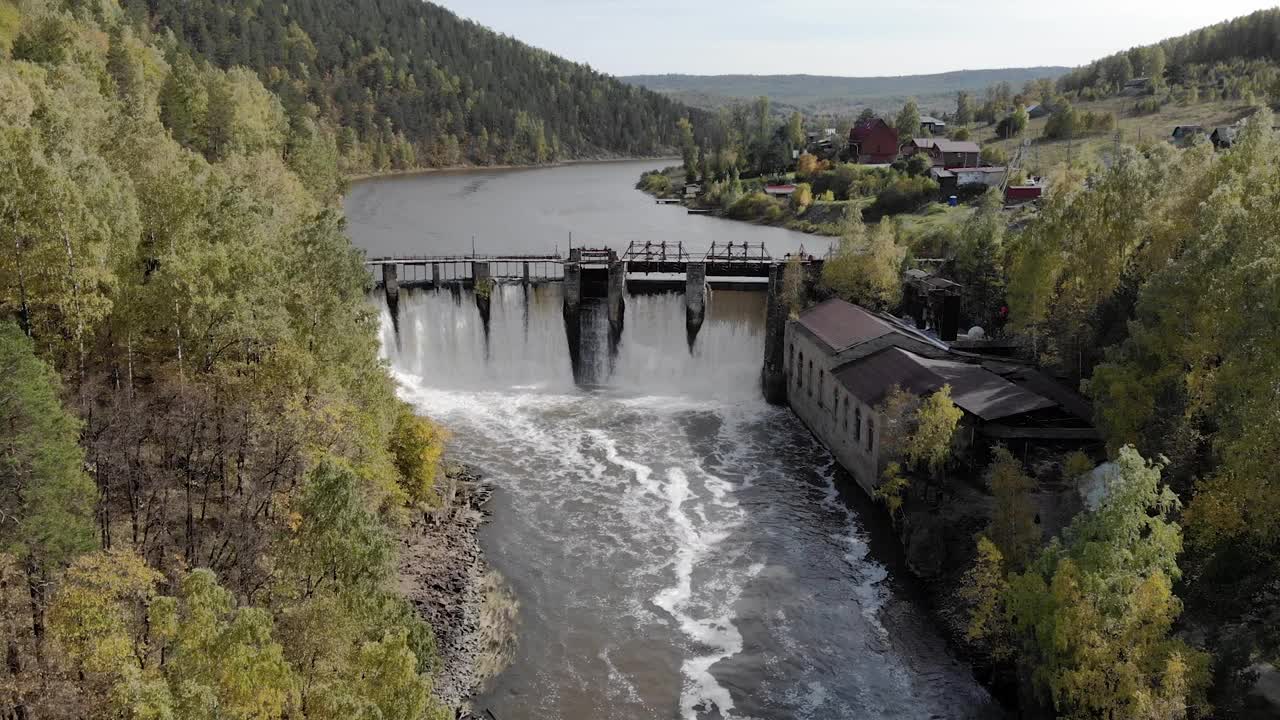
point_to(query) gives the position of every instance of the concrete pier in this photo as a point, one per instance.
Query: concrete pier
(617, 301)
(773, 379)
(482, 286)
(573, 315)
(526, 273)
(391, 279)
(695, 299)
(435, 275)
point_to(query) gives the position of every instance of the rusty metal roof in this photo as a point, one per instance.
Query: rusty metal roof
(973, 388)
(841, 324)
(949, 146)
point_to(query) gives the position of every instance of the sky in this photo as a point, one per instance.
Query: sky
(840, 37)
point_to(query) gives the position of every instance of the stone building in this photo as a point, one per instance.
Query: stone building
(842, 360)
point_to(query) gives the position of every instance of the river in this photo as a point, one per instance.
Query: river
(679, 548)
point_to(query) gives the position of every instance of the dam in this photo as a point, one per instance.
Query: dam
(680, 548)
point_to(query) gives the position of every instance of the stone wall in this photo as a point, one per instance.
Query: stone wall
(848, 428)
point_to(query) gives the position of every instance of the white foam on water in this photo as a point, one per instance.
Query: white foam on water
(707, 620)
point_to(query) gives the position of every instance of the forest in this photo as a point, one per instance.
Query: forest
(204, 465)
(405, 83)
(1152, 286)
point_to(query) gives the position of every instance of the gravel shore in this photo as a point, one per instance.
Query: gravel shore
(444, 575)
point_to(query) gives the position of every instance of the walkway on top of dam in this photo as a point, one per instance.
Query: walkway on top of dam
(737, 260)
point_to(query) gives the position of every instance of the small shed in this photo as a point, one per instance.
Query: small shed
(1183, 133)
(1223, 137)
(1023, 193)
(932, 125)
(991, 175)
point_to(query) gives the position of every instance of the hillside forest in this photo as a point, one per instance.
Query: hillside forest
(400, 84)
(204, 464)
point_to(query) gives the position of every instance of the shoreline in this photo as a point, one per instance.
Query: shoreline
(445, 577)
(361, 177)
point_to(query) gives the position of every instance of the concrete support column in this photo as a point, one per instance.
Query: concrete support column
(695, 299)
(435, 275)
(482, 285)
(773, 380)
(617, 301)
(391, 278)
(572, 315)
(526, 272)
(391, 286)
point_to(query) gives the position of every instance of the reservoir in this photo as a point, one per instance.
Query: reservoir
(679, 548)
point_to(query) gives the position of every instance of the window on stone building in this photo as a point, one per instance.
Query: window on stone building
(871, 434)
(822, 384)
(857, 424)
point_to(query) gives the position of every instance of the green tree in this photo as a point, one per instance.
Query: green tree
(417, 444)
(1094, 612)
(688, 148)
(964, 108)
(46, 499)
(802, 198)
(933, 428)
(1013, 526)
(795, 131)
(867, 267)
(908, 120)
(984, 590)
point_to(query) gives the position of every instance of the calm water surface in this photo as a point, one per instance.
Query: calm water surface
(537, 212)
(680, 548)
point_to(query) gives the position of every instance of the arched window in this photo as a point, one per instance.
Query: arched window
(791, 358)
(822, 385)
(857, 424)
(800, 372)
(835, 397)
(846, 412)
(809, 391)
(871, 434)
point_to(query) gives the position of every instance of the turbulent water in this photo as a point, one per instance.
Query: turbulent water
(680, 549)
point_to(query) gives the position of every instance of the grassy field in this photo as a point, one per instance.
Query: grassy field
(1044, 155)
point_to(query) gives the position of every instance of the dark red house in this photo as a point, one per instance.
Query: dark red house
(873, 142)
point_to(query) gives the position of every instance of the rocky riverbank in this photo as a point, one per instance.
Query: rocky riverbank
(444, 575)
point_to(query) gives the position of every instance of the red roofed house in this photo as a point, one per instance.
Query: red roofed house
(873, 142)
(945, 153)
(779, 190)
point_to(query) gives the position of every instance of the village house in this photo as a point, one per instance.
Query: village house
(945, 153)
(779, 190)
(873, 142)
(932, 125)
(842, 360)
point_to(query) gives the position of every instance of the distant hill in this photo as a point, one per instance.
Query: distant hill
(397, 72)
(833, 94)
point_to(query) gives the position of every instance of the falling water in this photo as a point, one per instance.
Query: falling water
(680, 548)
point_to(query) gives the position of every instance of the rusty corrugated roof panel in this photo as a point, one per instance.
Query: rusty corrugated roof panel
(973, 388)
(840, 324)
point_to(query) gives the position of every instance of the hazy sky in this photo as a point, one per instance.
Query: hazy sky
(840, 37)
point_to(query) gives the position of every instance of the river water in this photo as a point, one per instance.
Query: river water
(679, 548)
